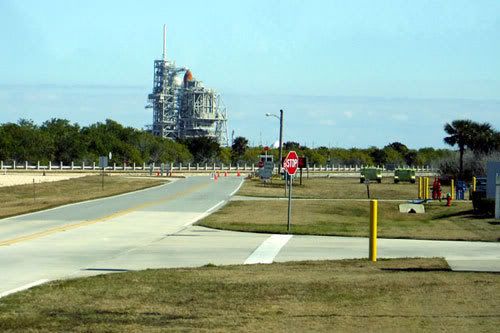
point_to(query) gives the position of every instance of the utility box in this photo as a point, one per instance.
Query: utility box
(371, 174)
(266, 167)
(404, 175)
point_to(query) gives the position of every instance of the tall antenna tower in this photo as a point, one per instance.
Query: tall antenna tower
(182, 106)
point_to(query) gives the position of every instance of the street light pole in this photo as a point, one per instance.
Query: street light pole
(281, 142)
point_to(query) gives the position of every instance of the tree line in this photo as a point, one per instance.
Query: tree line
(59, 140)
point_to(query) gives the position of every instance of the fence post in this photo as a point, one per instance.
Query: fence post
(14, 165)
(60, 165)
(25, 165)
(38, 165)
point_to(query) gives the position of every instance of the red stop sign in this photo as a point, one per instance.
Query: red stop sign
(291, 163)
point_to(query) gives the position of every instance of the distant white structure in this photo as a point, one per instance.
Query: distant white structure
(182, 106)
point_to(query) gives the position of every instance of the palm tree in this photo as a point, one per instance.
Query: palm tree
(485, 139)
(461, 133)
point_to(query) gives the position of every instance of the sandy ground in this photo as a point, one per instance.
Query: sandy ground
(10, 179)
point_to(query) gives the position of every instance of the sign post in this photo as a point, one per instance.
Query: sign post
(103, 163)
(290, 164)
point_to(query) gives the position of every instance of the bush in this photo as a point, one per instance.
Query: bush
(483, 205)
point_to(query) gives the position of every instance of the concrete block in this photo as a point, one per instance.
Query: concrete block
(412, 208)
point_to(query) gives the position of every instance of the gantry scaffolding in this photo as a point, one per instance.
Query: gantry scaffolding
(184, 108)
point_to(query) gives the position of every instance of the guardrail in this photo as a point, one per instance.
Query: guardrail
(154, 167)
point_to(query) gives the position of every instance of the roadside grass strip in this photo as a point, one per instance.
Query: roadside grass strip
(324, 296)
(22, 199)
(332, 188)
(350, 218)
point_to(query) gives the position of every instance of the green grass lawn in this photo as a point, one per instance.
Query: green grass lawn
(333, 188)
(351, 218)
(19, 199)
(401, 295)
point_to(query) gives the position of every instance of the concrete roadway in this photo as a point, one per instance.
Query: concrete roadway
(153, 229)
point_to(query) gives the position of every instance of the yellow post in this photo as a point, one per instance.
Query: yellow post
(473, 184)
(420, 187)
(373, 230)
(427, 196)
(453, 189)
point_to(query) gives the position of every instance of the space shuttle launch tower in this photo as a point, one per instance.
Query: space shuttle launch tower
(182, 106)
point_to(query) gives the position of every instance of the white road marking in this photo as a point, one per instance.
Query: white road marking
(237, 189)
(207, 212)
(26, 286)
(268, 250)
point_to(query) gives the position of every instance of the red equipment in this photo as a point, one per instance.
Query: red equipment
(436, 189)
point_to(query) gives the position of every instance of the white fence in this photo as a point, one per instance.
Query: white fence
(177, 167)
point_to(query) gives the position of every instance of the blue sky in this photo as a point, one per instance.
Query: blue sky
(355, 73)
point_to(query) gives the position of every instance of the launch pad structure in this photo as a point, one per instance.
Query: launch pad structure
(182, 107)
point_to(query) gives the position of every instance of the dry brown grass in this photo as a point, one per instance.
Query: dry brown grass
(333, 188)
(350, 218)
(22, 199)
(351, 295)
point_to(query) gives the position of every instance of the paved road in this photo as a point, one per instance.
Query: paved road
(152, 229)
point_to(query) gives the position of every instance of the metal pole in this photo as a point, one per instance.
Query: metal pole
(289, 203)
(281, 142)
(373, 230)
(497, 196)
(280, 158)
(452, 189)
(102, 183)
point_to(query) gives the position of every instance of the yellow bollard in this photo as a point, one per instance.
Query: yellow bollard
(452, 189)
(420, 187)
(373, 230)
(427, 196)
(473, 184)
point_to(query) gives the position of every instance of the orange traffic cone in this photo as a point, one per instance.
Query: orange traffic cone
(225, 174)
(238, 174)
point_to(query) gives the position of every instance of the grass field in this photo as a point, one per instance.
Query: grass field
(351, 218)
(352, 295)
(22, 199)
(333, 188)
